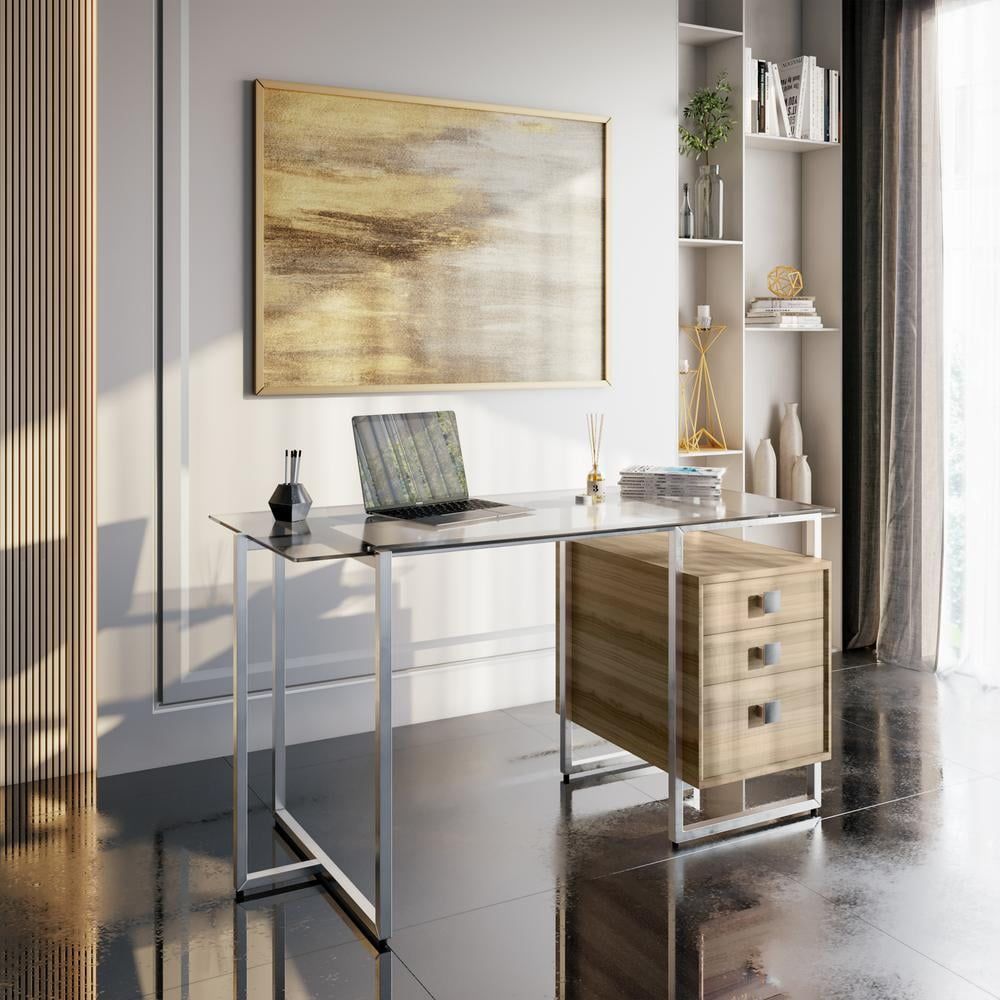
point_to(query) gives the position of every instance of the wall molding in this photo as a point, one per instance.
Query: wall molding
(179, 734)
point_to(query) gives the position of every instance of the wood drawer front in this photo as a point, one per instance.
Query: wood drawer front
(729, 607)
(736, 740)
(736, 656)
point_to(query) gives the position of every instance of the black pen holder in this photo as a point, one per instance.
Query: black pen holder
(290, 502)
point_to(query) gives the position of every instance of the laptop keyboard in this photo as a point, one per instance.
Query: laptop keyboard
(434, 509)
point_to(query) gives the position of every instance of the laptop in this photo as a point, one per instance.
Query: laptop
(411, 468)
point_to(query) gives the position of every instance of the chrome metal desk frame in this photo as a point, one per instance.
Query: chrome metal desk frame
(346, 533)
(740, 818)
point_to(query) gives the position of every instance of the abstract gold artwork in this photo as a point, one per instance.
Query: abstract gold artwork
(407, 243)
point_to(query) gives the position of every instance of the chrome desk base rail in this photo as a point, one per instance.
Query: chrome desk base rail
(373, 916)
(679, 832)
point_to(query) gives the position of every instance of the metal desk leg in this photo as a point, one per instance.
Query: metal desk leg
(278, 687)
(383, 745)
(241, 545)
(675, 804)
(812, 531)
(562, 667)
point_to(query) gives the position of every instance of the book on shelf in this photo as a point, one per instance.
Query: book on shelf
(779, 100)
(774, 302)
(794, 85)
(785, 322)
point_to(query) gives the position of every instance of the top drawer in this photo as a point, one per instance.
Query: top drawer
(763, 600)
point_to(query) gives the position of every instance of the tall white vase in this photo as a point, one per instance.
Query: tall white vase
(802, 480)
(789, 448)
(765, 469)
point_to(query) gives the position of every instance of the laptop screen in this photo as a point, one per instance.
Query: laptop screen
(409, 458)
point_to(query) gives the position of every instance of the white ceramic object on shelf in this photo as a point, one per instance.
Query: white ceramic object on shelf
(789, 449)
(765, 470)
(802, 480)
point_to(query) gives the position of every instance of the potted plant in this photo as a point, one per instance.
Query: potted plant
(707, 123)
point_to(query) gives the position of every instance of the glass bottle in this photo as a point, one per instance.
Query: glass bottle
(687, 216)
(708, 193)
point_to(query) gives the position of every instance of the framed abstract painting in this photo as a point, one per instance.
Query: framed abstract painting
(404, 243)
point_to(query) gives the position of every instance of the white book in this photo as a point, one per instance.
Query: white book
(749, 91)
(793, 88)
(819, 98)
(805, 97)
(771, 113)
(808, 105)
(779, 100)
(834, 106)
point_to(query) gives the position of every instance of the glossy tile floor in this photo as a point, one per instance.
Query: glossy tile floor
(510, 885)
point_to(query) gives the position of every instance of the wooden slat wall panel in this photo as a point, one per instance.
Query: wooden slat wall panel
(47, 310)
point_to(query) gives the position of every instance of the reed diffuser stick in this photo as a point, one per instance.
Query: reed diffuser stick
(595, 434)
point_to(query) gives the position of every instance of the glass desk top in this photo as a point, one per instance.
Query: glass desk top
(348, 532)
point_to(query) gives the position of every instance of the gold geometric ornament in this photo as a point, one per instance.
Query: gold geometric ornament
(702, 423)
(785, 281)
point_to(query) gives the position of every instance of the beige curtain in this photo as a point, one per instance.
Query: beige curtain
(892, 330)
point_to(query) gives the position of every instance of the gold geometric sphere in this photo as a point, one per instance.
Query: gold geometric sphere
(785, 281)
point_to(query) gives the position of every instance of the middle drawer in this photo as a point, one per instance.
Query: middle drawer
(760, 652)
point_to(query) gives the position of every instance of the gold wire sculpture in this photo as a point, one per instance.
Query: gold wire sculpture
(702, 422)
(785, 281)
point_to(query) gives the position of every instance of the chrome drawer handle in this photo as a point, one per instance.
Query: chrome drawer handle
(769, 602)
(764, 715)
(769, 654)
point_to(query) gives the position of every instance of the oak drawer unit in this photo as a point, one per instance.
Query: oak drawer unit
(754, 653)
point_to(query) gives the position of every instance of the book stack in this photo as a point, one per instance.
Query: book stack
(670, 482)
(796, 99)
(772, 313)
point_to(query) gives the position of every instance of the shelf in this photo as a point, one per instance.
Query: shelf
(709, 452)
(786, 144)
(684, 242)
(701, 34)
(791, 329)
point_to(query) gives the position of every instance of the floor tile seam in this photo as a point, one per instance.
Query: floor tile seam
(853, 666)
(919, 750)
(887, 933)
(416, 978)
(472, 909)
(971, 779)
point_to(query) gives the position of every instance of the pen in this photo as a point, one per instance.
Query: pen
(287, 471)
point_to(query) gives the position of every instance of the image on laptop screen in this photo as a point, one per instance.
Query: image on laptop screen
(409, 458)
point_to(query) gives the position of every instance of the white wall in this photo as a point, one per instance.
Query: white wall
(474, 631)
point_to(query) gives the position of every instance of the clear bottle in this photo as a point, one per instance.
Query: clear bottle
(687, 217)
(708, 194)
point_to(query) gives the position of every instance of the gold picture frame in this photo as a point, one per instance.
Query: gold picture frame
(384, 258)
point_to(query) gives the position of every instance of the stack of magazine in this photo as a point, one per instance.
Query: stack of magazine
(670, 482)
(776, 313)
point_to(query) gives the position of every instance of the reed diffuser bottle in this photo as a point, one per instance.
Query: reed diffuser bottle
(595, 480)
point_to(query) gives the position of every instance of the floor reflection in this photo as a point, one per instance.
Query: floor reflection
(510, 885)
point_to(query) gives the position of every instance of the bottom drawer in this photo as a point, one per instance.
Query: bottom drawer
(763, 723)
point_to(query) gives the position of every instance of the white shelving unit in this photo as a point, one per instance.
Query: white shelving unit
(782, 206)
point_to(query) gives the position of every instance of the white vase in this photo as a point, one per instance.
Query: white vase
(765, 470)
(802, 480)
(789, 449)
